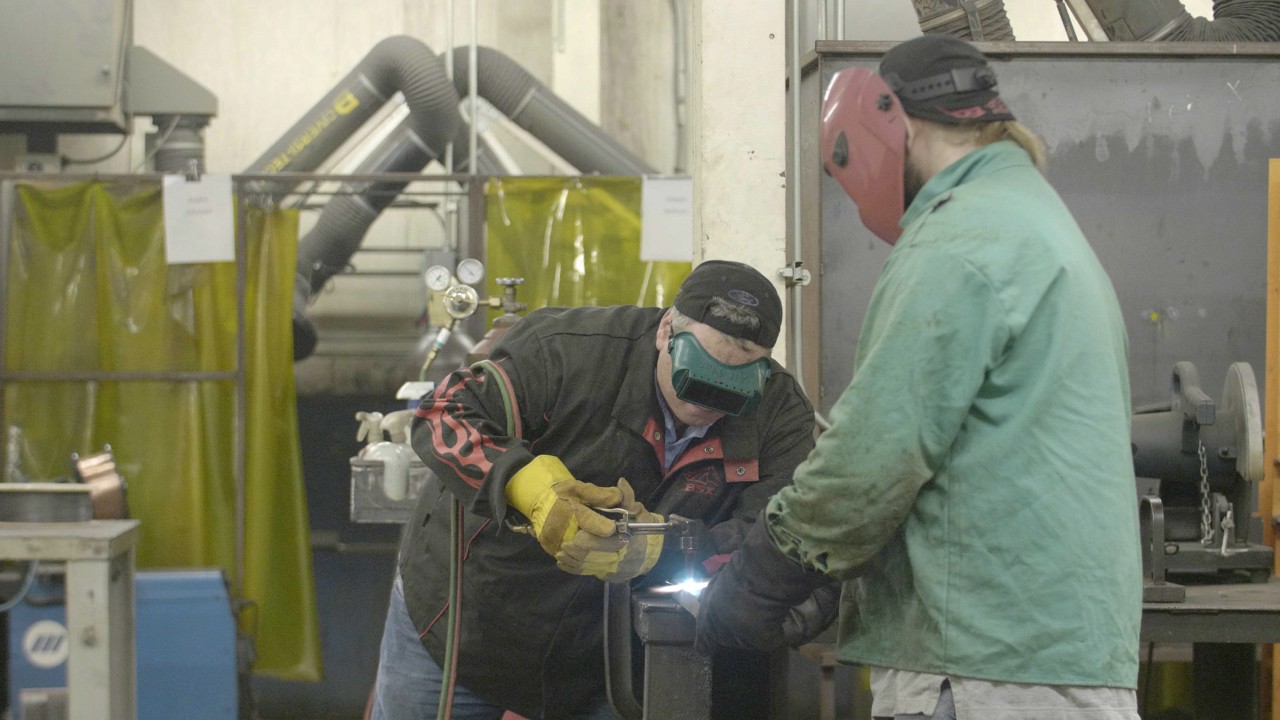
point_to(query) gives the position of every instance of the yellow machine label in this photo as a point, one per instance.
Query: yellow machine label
(346, 103)
(343, 105)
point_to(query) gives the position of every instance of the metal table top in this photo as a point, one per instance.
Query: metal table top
(1244, 613)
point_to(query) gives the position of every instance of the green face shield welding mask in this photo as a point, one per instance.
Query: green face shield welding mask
(702, 380)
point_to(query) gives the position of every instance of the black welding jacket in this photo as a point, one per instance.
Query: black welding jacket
(584, 391)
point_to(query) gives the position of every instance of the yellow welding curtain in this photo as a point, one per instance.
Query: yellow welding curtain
(575, 241)
(88, 291)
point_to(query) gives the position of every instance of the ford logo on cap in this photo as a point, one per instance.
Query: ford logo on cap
(744, 297)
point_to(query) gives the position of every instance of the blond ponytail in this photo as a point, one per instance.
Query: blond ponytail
(1018, 133)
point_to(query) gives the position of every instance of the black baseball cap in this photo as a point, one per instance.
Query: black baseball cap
(735, 283)
(944, 79)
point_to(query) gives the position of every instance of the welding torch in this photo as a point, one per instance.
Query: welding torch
(686, 529)
(625, 527)
(688, 589)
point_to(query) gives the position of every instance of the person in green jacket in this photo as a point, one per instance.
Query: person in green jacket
(975, 492)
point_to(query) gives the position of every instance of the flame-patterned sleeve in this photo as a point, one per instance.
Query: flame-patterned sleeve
(460, 430)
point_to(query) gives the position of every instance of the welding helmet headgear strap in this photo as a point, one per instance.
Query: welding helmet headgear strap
(699, 378)
(944, 79)
(864, 147)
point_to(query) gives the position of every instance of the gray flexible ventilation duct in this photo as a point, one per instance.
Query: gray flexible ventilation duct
(1238, 21)
(397, 64)
(967, 19)
(422, 137)
(1233, 20)
(325, 250)
(531, 105)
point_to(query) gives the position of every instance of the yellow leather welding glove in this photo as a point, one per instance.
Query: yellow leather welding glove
(557, 504)
(614, 558)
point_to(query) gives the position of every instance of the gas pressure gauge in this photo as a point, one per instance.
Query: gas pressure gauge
(460, 301)
(470, 271)
(439, 278)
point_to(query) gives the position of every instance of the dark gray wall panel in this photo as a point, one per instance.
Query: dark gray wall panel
(1161, 153)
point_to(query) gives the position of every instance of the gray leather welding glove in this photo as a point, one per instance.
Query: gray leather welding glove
(806, 621)
(748, 602)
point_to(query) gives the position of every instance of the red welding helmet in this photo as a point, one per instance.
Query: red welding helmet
(864, 147)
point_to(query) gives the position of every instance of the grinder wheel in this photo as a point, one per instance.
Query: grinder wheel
(1240, 406)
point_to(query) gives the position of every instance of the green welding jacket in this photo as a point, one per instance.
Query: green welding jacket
(976, 489)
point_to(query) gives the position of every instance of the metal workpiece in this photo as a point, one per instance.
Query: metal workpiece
(677, 678)
(660, 620)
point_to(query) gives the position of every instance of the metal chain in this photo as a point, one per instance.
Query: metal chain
(1206, 523)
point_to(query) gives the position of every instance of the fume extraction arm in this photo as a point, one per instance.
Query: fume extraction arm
(404, 64)
(1233, 20)
(396, 64)
(1119, 20)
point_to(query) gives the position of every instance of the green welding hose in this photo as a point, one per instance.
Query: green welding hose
(444, 707)
(444, 711)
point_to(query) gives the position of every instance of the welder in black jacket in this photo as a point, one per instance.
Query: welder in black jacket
(676, 411)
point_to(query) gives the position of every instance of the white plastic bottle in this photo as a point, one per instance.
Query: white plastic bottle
(395, 457)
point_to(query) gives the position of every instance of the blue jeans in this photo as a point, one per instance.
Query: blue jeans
(409, 679)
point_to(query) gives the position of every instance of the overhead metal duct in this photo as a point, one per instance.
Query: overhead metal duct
(397, 64)
(421, 138)
(968, 19)
(531, 105)
(1233, 20)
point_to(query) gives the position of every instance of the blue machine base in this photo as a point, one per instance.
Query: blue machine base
(186, 646)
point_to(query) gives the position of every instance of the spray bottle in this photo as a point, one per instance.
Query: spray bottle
(396, 426)
(394, 456)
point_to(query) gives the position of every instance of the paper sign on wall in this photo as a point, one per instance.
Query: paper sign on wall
(198, 225)
(666, 219)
